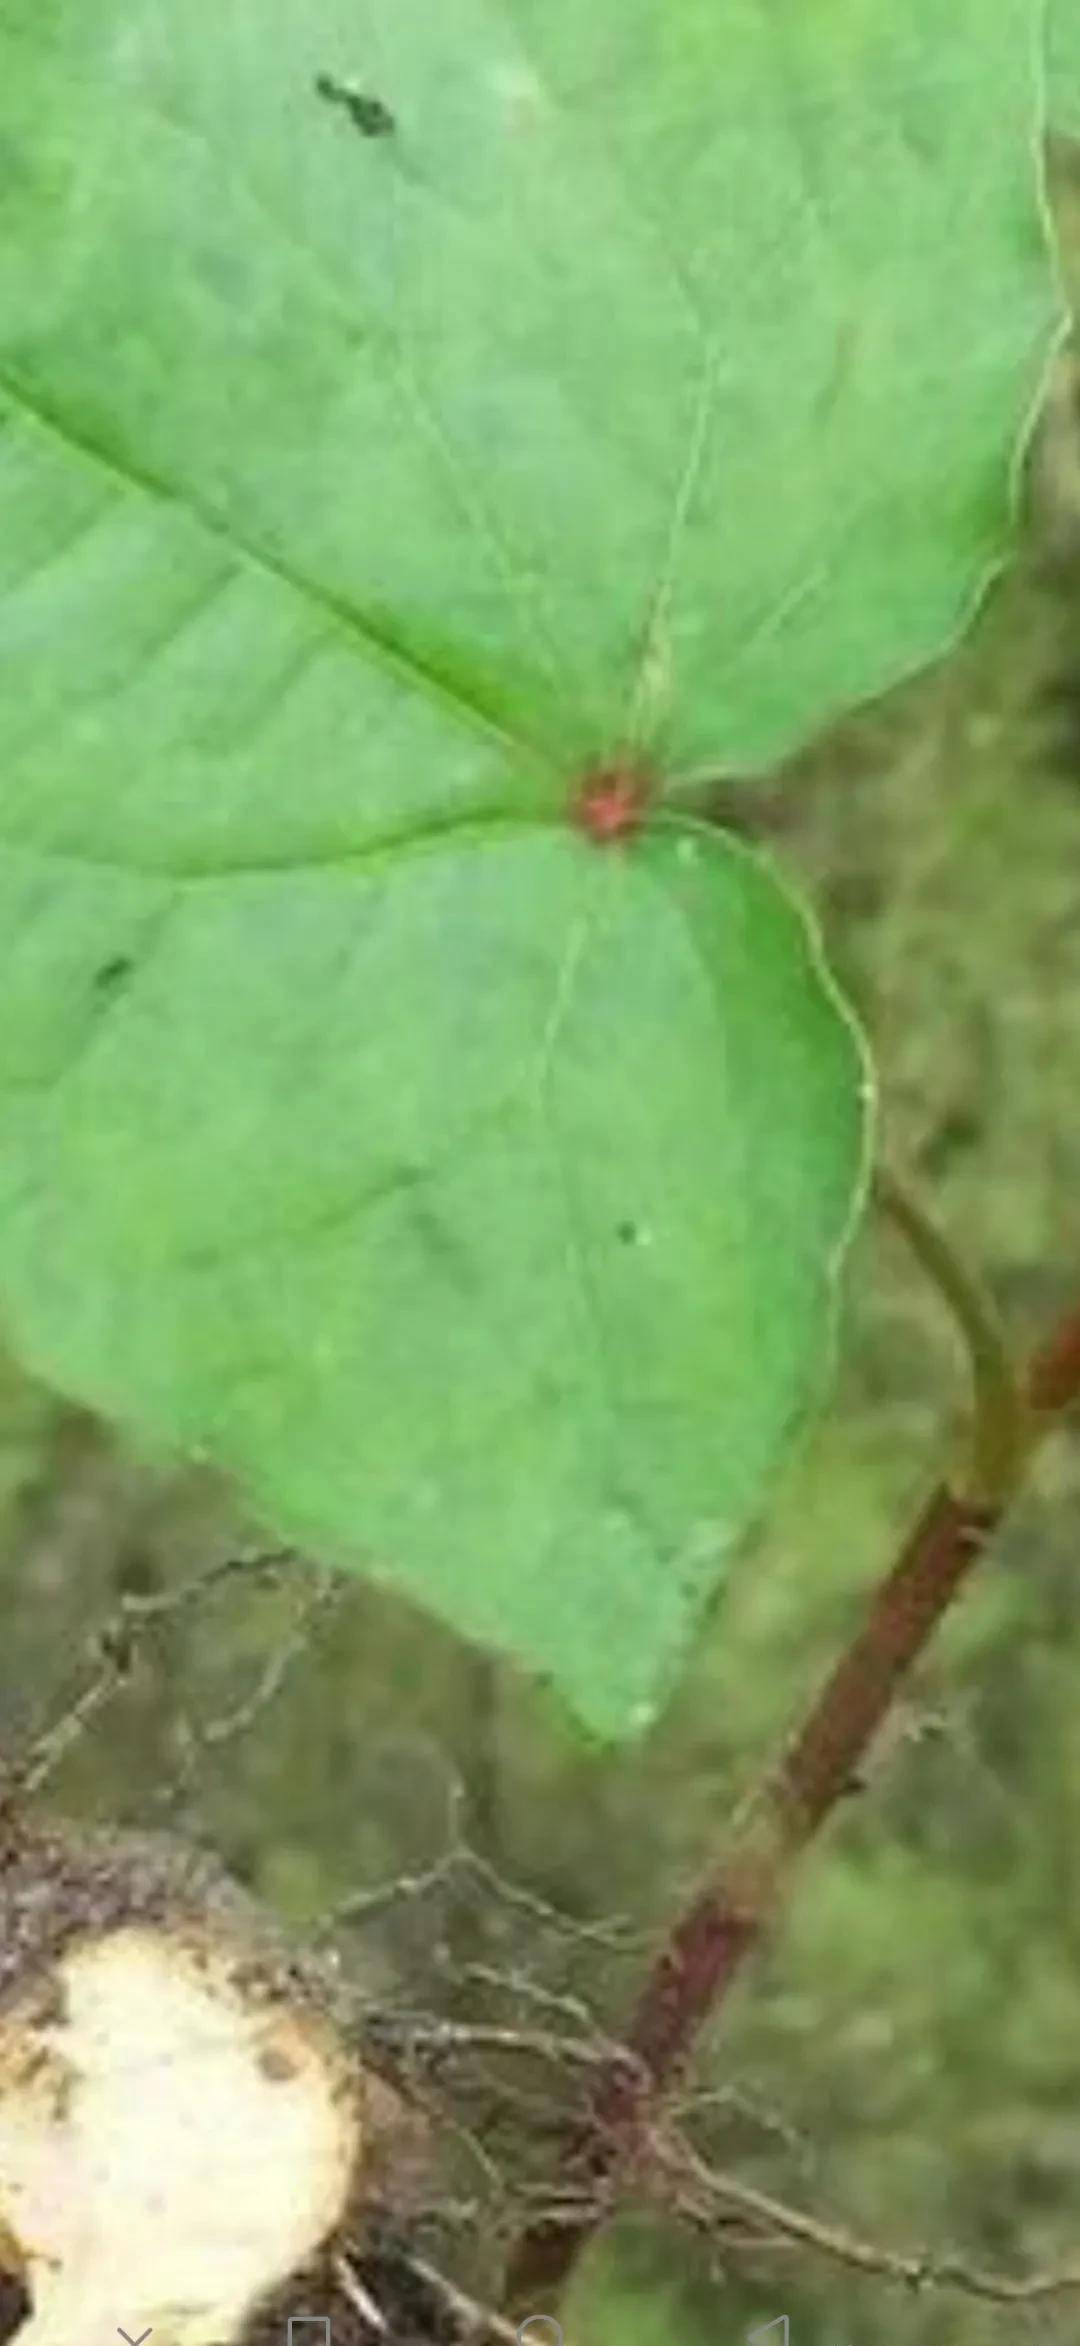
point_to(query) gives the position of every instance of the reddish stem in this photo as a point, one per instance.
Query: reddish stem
(731, 1913)
(1053, 1377)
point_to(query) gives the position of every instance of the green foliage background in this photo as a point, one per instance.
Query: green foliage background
(907, 2061)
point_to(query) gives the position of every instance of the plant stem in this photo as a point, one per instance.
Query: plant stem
(732, 1911)
(999, 1413)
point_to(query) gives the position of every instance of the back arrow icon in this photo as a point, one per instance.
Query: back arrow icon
(133, 2341)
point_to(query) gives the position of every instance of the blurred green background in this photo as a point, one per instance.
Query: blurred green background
(906, 2062)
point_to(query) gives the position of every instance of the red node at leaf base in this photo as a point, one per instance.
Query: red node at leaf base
(611, 803)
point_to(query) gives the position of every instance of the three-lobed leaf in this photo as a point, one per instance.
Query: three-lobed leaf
(404, 410)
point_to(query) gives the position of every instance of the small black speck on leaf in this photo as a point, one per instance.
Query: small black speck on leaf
(626, 1233)
(368, 115)
(112, 971)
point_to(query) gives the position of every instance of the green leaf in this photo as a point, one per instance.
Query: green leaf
(477, 1201)
(403, 409)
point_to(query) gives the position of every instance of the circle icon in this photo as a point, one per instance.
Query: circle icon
(539, 2323)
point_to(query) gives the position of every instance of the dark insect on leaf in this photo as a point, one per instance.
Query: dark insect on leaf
(112, 971)
(371, 118)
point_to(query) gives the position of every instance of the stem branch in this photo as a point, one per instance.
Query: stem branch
(730, 1914)
(999, 1428)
